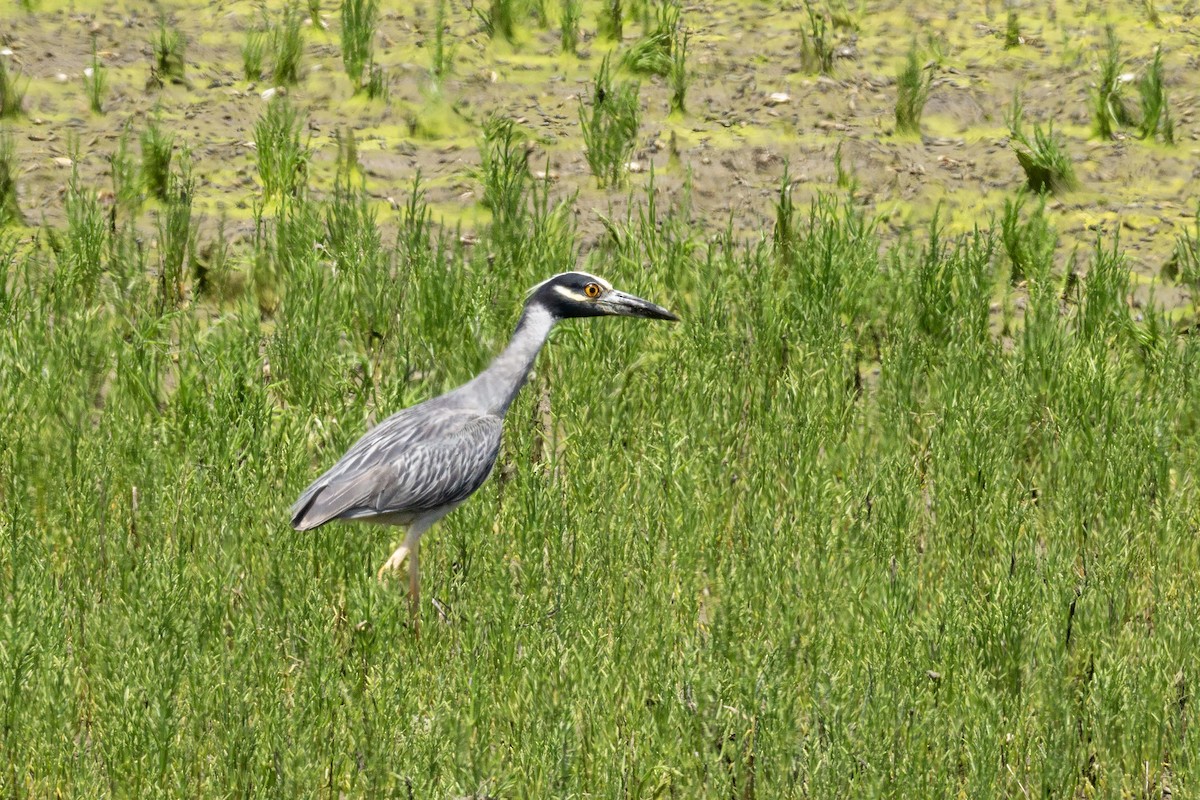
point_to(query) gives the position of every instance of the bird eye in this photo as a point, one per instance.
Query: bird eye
(592, 290)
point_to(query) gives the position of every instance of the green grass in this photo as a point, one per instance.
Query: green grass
(1029, 243)
(95, 83)
(1109, 113)
(287, 45)
(652, 53)
(816, 41)
(127, 183)
(569, 13)
(1156, 109)
(678, 76)
(912, 92)
(359, 20)
(378, 84)
(500, 20)
(740, 552)
(10, 207)
(176, 238)
(281, 157)
(158, 148)
(1184, 264)
(610, 126)
(886, 515)
(1045, 161)
(610, 22)
(169, 61)
(12, 94)
(1043, 155)
(504, 172)
(1012, 30)
(442, 58)
(253, 49)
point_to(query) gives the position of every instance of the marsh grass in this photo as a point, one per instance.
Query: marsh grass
(10, 208)
(539, 12)
(500, 19)
(1150, 9)
(678, 77)
(127, 183)
(95, 83)
(960, 521)
(653, 52)
(442, 56)
(1045, 161)
(378, 84)
(611, 21)
(816, 42)
(1012, 30)
(844, 178)
(80, 261)
(1109, 112)
(176, 238)
(254, 48)
(610, 126)
(157, 151)
(912, 92)
(348, 171)
(314, 14)
(1184, 263)
(785, 215)
(504, 173)
(169, 49)
(1156, 109)
(364, 263)
(836, 534)
(212, 272)
(359, 20)
(12, 94)
(569, 14)
(281, 157)
(527, 227)
(1043, 155)
(1028, 242)
(287, 45)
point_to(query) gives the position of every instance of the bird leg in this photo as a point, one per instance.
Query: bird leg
(394, 563)
(407, 551)
(414, 583)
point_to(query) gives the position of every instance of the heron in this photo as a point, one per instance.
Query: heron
(421, 463)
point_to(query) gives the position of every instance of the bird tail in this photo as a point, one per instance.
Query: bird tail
(303, 518)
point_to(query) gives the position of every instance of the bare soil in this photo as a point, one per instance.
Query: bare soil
(732, 143)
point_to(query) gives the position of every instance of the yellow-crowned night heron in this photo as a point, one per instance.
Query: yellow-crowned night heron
(418, 464)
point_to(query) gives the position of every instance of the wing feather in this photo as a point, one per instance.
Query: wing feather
(408, 463)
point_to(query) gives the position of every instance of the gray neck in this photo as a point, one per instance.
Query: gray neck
(495, 387)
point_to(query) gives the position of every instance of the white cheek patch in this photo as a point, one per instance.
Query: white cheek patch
(570, 295)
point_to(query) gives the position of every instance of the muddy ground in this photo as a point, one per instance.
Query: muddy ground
(734, 139)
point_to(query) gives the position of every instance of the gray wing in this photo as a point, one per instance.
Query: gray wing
(417, 460)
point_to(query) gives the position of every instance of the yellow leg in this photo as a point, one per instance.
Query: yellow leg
(394, 563)
(414, 584)
(407, 551)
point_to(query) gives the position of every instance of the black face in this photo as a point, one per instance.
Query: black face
(571, 294)
(577, 294)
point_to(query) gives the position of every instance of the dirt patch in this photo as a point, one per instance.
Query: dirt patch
(732, 144)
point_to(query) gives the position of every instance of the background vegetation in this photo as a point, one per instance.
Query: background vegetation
(905, 507)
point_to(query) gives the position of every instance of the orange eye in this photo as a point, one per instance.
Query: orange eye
(592, 290)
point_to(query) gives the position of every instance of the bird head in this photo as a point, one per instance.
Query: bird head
(578, 294)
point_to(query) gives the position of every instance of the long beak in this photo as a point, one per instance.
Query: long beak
(626, 305)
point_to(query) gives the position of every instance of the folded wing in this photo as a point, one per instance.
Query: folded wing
(409, 463)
